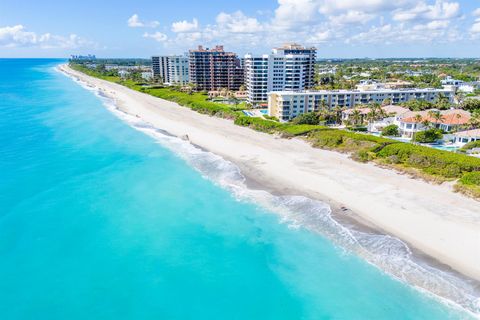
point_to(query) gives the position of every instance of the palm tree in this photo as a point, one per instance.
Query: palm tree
(418, 119)
(323, 110)
(437, 116)
(457, 116)
(474, 121)
(356, 117)
(337, 110)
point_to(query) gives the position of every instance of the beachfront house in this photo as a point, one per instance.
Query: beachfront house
(463, 137)
(447, 121)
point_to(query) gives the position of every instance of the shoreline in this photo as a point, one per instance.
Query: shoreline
(447, 234)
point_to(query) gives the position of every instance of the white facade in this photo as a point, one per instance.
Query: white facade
(170, 69)
(287, 105)
(464, 137)
(289, 68)
(449, 81)
(178, 70)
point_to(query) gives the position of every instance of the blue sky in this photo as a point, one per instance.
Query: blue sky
(338, 28)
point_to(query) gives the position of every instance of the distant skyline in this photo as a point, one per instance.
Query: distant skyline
(339, 29)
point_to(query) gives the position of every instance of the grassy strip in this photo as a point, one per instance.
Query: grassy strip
(432, 162)
(469, 184)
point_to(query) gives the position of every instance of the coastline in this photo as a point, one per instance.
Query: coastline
(442, 224)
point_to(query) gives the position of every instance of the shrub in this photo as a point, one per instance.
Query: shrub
(431, 161)
(471, 178)
(358, 129)
(299, 129)
(391, 130)
(348, 141)
(306, 118)
(428, 136)
(270, 117)
(258, 124)
(469, 184)
(471, 145)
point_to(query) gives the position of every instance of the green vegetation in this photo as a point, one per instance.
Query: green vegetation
(428, 136)
(290, 130)
(431, 161)
(258, 124)
(471, 178)
(471, 145)
(307, 118)
(418, 105)
(362, 146)
(357, 128)
(469, 184)
(471, 105)
(391, 131)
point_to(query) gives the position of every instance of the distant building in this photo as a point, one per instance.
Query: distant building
(160, 68)
(214, 69)
(449, 81)
(288, 68)
(171, 69)
(80, 57)
(287, 105)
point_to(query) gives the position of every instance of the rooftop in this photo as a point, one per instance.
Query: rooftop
(449, 117)
(469, 133)
(309, 92)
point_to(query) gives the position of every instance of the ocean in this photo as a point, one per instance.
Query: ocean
(103, 217)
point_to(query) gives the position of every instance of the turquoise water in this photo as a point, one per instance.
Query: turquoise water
(101, 221)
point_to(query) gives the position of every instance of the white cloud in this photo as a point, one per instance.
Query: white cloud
(238, 22)
(135, 22)
(475, 28)
(185, 26)
(18, 36)
(314, 22)
(371, 6)
(440, 10)
(294, 12)
(434, 31)
(157, 36)
(351, 17)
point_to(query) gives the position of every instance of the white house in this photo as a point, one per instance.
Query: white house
(464, 137)
(451, 120)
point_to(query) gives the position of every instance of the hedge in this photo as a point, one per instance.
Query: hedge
(471, 178)
(300, 129)
(258, 124)
(431, 161)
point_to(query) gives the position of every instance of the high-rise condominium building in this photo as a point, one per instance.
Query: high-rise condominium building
(213, 69)
(288, 68)
(170, 69)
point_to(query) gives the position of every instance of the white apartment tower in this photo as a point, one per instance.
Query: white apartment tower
(170, 69)
(288, 68)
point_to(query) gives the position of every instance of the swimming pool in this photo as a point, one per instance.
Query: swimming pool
(444, 147)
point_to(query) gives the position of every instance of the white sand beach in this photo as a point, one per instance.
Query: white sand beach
(432, 218)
